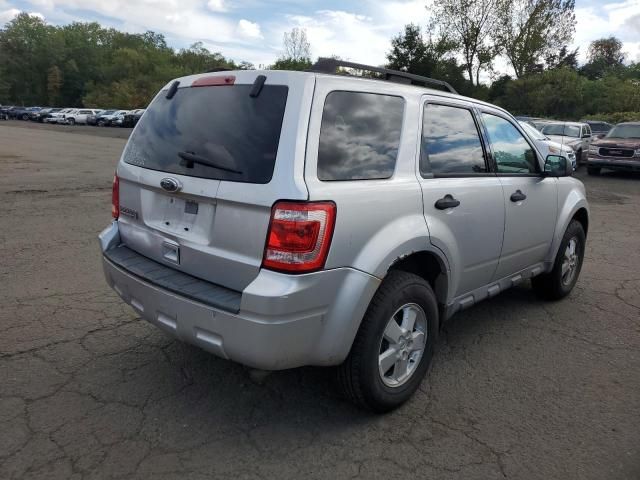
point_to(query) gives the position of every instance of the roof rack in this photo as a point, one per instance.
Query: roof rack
(330, 65)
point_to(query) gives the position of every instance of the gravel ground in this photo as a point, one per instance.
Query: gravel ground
(519, 388)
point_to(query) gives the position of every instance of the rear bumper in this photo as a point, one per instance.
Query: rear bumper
(630, 164)
(283, 321)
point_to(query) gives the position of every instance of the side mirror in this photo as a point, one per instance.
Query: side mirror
(557, 166)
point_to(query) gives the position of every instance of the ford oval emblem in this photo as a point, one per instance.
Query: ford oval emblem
(170, 184)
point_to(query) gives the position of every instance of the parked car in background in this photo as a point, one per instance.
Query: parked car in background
(131, 119)
(43, 114)
(248, 219)
(119, 119)
(79, 116)
(540, 123)
(106, 120)
(93, 119)
(5, 111)
(55, 116)
(574, 134)
(547, 146)
(23, 113)
(598, 128)
(527, 119)
(62, 118)
(618, 150)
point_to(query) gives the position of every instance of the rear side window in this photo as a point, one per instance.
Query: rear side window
(450, 142)
(216, 132)
(359, 136)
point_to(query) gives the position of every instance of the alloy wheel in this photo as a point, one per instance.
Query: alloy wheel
(402, 345)
(570, 261)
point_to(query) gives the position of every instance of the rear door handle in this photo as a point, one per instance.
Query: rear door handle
(447, 202)
(518, 196)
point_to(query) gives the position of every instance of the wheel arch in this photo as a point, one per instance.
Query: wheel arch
(582, 216)
(430, 266)
(575, 207)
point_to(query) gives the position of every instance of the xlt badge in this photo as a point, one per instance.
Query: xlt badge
(129, 212)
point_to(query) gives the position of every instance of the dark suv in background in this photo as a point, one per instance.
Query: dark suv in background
(40, 115)
(618, 150)
(131, 119)
(598, 128)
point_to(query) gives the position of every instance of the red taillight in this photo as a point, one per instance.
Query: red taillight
(299, 236)
(115, 197)
(213, 81)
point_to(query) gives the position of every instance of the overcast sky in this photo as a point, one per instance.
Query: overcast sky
(252, 30)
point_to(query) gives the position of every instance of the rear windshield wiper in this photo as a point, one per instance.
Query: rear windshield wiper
(190, 158)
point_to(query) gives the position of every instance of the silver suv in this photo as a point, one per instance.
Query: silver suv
(281, 219)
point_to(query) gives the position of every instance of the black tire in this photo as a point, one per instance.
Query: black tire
(359, 375)
(101, 123)
(579, 157)
(25, 117)
(71, 121)
(551, 286)
(593, 170)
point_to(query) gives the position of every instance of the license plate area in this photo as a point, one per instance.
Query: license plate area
(185, 218)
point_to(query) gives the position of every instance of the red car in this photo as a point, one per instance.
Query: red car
(618, 150)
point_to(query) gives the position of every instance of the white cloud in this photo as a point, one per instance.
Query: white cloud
(249, 29)
(632, 51)
(48, 4)
(621, 20)
(396, 14)
(351, 36)
(187, 20)
(217, 5)
(10, 14)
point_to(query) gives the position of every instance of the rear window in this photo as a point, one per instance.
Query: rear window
(216, 132)
(359, 136)
(562, 130)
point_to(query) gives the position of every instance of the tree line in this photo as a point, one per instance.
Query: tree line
(466, 38)
(87, 64)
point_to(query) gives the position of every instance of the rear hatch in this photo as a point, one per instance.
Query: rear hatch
(228, 156)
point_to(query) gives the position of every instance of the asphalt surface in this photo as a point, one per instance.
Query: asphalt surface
(519, 388)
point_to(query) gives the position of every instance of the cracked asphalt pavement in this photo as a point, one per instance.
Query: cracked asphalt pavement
(519, 388)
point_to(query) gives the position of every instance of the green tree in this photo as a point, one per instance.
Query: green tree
(54, 85)
(297, 51)
(605, 57)
(608, 51)
(198, 59)
(431, 57)
(563, 58)
(530, 30)
(558, 93)
(470, 24)
(25, 55)
(296, 45)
